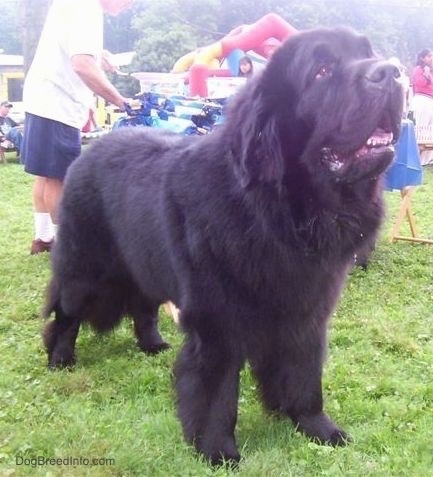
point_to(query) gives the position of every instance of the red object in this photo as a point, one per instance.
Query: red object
(252, 37)
(91, 123)
(198, 75)
(263, 36)
(421, 84)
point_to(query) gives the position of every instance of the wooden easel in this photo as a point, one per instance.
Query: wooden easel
(406, 212)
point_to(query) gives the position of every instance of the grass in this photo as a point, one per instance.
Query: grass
(118, 404)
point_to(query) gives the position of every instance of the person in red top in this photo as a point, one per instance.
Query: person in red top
(422, 103)
(422, 76)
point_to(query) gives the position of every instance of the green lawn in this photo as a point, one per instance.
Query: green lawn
(118, 405)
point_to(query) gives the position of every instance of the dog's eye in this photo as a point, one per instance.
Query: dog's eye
(324, 72)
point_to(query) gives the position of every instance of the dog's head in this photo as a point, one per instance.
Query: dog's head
(324, 103)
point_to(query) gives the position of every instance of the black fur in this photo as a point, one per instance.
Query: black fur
(250, 231)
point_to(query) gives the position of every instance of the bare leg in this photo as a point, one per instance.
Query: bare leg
(46, 195)
(38, 195)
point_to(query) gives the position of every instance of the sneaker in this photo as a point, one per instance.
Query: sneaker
(39, 246)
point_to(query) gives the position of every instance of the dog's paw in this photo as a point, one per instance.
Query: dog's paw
(338, 438)
(229, 461)
(218, 451)
(320, 428)
(229, 457)
(154, 348)
(58, 361)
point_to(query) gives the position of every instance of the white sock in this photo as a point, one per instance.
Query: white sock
(53, 229)
(43, 226)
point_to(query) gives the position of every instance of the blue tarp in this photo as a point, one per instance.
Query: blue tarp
(187, 116)
(406, 169)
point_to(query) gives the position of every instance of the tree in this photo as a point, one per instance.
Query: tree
(118, 34)
(10, 41)
(162, 32)
(170, 29)
(32, 20)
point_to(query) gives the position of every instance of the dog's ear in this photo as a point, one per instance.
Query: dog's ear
(256, 142)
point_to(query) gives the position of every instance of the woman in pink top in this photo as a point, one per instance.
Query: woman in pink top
(422, 76)
(422, 103)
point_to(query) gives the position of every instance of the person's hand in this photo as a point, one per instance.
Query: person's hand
(130, 102)
(133, 103)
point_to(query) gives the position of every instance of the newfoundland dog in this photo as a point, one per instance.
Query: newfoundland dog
(250, 231)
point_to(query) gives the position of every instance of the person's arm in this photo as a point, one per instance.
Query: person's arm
(88, 70)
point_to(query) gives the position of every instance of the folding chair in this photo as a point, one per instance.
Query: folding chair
(404, 174)
(5, 146)
(405, 212)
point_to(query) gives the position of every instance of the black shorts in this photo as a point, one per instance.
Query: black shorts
(49, 147)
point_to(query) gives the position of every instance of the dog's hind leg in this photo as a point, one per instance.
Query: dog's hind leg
(145, 317)
(207, 385)
(290, 379)
(59, 339)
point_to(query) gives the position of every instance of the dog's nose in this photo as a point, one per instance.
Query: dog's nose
(382, 73)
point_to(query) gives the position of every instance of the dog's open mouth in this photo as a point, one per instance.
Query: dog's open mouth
(380, 142)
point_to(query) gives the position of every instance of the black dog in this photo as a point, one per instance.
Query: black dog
(250, 231)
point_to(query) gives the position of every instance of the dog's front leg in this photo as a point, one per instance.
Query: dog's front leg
(207, 384)
(290, 379)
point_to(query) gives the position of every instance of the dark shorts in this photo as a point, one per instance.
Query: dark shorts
(49, 147)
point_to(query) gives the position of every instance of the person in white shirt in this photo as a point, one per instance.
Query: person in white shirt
(59, 90)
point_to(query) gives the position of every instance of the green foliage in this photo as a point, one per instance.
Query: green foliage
(127, 85)
(155, 52)
(118, 34)
(394, 27)
(119, 404)
(167, 32)
(162, 32)
(32, 22)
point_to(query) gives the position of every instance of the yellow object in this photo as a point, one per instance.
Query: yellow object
(183, 63)
(208, 56)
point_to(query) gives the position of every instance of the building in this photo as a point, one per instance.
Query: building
(11, 77)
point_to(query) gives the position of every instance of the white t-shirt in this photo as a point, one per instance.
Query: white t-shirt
(52, 89)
